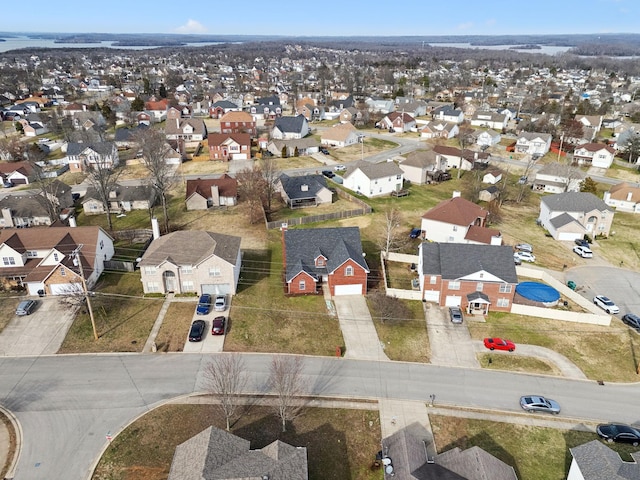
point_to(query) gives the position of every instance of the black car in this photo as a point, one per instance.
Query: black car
(618, 432)
(328, 173)
(582, 242)
(415, 233)
(632, 320)
(324, 150)
(197, 330)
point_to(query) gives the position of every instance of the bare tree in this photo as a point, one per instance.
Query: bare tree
(270, 175)
(104, 179)
(525, 178)
(225, 377)
(250, 190)
(153, 144)
(286, 381)
(391, 239)
(388, 308)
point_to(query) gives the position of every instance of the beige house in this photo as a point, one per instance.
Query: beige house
(623, 197)
(192, 262)
(419, 164)
(122, 198)
(341, 135)
(571, 215)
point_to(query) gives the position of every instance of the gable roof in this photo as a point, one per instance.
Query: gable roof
(25, 206)
(101, 148)
(339, 132)
(375, 170)
(217, 139)
(574, 202)
(337, 245)
(597, 461)
(449, 151)
(290, 124)
(227, 186)
(457, 260)
(557, 169)
(531, 136)
(596, 147)
(421, 159)
(191, 248)
(622, 190)
(456, 211)
(235, 116)
(294, 186)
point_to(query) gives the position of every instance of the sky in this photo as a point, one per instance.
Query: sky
(331, 17)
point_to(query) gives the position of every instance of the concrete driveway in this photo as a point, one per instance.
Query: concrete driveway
(210, 343)
(360, 336)
(451, 344)
(40, 333)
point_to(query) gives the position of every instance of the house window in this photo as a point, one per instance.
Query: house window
(433, 279)
(214, 272)
(32, 253)
(455, 228)
(55, 257)
(186, 269)
(320, 262)
(63, 272)
(479, 286)
(503, 302)
(454, 285)
(101, 244)
(302, 285)
(8, 260)
(153, 287)
(348, 272)
(187, 286)
(505, 288)
(150, 270)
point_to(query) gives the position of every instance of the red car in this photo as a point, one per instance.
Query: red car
(217, 327)
(499, 344)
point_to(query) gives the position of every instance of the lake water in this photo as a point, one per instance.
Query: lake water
(13, 43)
(546, 49)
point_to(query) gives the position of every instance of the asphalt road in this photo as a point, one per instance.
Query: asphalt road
(68, 404)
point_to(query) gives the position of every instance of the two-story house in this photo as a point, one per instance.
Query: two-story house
(623, 197)
(85, 156)
(447, 113)
(398, 121)
(487, 119)
(557, 178)
(238, 122)
(594, 154)
(533, 143)
(374, 179)
(289, 128)
(229, 146)
(572, 215)
(419, 164)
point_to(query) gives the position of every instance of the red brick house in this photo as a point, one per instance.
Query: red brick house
(477, 278)
(331, 257)
(238, 122)
(229, 146)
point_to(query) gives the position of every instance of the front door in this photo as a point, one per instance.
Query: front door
(169, 281)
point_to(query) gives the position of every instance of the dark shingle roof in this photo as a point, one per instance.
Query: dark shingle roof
(337, 245)
(456, 260)
(575, 202)
(293, 186)
(375, 170)
(597, 462)
(290, 124)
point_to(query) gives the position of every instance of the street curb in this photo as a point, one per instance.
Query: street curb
(17, 428)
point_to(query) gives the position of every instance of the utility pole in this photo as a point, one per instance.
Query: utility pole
(87, 298)
(560, 151)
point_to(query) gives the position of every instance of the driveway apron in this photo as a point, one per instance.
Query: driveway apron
(360, 336)
(451, 344)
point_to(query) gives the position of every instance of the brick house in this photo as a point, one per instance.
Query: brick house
(238, 122)
(324, 256)
(229, 146)
(211, 192)
(477, 278)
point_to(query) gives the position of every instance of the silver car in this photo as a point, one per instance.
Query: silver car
(538, 403)
(455, 314)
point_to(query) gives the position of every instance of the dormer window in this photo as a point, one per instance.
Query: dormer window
(55, 257)
(321, 262)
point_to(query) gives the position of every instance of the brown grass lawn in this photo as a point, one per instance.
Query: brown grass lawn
(280, 211)
(262, 319)
(581, 343)
(340, 443)
(535, 453)
(175, 327)
(372, 146)
(624, 244)
(399, 275)
(517, 363)
(8, 304)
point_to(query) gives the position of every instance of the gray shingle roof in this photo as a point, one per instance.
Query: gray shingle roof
(563, 219)
(25, 206)
(456, 260)
(375, 170)
(337, 245)
(290, 124)
(191, 248)
(575, 202)
(293, 186)
(599, 462)
(103, 148)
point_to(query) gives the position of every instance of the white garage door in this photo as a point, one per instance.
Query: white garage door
(239, 156)
(432, 296)
(214, 289)
(568, 236)
(453, 301)
(348, 289)
(65, 288)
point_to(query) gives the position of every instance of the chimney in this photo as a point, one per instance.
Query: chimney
(72, 222)
(283, 229)
(456, 194)
(304, 187)
(155, 228)
(629, 196)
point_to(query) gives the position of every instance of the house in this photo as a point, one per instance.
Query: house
(126, 137)
(557, 178)
(44, 258)
(84, 156)
(492, 120)
(398, 122)
(447, 113)
(477, 278)
(188, 130)
(211, 192)
(18, 173)
(595, 461)
(454, 157)
(122, 198)
(623, 197)
(593, 122)
(24, 211)
(219, 108)
(413, 459)
(380, 105)
(459, 221)
(216, 453)
(288, 128)
(374, 179)
(70, 109)
(311, 112)
(229, 146)
(301, 146)
(33, 126)
(350, 115)
(419, 164)
(267, 108)
(88, 120)
(304, 190)
(439, 129)
(487, 137)
(571, 215)
(340, 135)
(324, 256)
(192, 262)
(415, 108)
(594, 154)
(533, 143)
(157, 109)
(238, 122)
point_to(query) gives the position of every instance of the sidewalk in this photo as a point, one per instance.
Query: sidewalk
(7, 463)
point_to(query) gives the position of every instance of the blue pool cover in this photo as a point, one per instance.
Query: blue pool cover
(538, 292)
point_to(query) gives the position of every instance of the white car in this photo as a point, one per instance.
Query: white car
(220, 304)
(525, 256)
(584, 252)
(606, 304)
(524, 247)
(339, 168)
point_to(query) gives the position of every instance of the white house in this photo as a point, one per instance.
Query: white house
(496, 121)
(623, 197)
(340, 135)
(558, 178)
(533, 143)
(290, 128)
(374, 179)
(487, 137)
(594, 154)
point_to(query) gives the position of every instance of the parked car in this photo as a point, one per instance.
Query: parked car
(523, 180)
(496, 343)
(524, 256)
(582, 242)
(455, 314)
(220, 304)
(606, 304)
(632, 320)
(339, 168)
(204, 304)
(516, 260)
(197, 330)
(584, 252)
(217, 327)
(524, 247)
(324, 151)
(618, 432)
(328, 173)
(415, 233)
(538, 403)
(25, 307)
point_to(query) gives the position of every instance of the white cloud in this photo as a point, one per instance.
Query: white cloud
(465, 26)
(192, 26)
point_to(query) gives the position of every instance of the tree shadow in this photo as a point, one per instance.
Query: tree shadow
(256, 265)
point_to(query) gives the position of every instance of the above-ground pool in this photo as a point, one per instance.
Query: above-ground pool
(540, 293)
